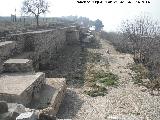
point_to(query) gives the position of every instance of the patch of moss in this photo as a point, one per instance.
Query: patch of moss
(107, 78)
(96, 91)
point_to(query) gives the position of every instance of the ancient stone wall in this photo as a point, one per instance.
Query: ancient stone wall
(32, 91)
(43, 45)
(6, 50)
(72, 37)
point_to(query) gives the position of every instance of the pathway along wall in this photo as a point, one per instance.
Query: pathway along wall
(41, 46)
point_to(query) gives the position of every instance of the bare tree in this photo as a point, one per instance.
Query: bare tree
(141, 32)
(144, 35)
(35, 7)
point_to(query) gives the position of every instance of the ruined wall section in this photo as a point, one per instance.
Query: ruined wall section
(41, 46)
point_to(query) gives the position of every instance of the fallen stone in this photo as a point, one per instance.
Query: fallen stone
(27, 116)
(3, 107)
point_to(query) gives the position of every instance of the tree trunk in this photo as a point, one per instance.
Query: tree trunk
(37, 20)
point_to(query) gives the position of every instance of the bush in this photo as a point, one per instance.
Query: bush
(141, 72)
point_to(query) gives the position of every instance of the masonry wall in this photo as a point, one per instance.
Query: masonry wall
(6, 50)
(42, 46)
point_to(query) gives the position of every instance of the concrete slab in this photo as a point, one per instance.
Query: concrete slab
(20, 87)
(18, 65)
(16, 83)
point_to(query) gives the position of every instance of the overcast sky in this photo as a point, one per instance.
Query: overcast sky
(110, 13)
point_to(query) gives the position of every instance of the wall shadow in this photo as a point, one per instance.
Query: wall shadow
(70, 105)
(70, 63)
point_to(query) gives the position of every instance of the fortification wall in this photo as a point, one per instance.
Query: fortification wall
(41, 46)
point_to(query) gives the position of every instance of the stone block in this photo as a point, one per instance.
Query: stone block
(20, 86)
(72, 37)
(51, 96)
(27, 116)
(7, 49)
(18, 65)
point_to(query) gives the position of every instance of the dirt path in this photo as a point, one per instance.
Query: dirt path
(125, 102)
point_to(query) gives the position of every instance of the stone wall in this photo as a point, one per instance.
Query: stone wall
(32, 91)
(43, 45)
(72, 37)
(6, 51)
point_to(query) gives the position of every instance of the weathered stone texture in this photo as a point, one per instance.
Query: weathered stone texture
(20, 42)
(6, 51)
(45, 44)
(21, 88)
(72, 37)
(58, 87)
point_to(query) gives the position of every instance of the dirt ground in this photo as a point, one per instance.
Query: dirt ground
(127, 101)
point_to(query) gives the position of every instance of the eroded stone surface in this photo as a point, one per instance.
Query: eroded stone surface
(20, 87)
(7, 49)
(51, 96)
(27, 116)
